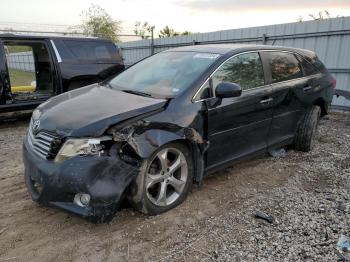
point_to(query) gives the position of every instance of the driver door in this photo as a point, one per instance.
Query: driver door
(239, 126)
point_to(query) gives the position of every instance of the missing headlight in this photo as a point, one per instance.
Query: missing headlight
(123, 134)
(125, 152)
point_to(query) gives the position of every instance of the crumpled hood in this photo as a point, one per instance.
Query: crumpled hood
(90, 110)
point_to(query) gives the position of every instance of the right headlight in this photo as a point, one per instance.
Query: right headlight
(81, 146)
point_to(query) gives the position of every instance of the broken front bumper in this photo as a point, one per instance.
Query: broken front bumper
(104, 178)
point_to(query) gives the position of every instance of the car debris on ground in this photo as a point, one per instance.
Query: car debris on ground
(280, 152)
(264, 216)
(344, 243)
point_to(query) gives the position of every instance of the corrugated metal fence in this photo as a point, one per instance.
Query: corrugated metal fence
(329, 38)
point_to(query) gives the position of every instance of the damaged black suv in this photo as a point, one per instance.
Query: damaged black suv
(164, 123)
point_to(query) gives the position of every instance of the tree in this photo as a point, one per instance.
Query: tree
(320, 16)
(168, 32)
(143, 30)
(187, 33)
(97, 22)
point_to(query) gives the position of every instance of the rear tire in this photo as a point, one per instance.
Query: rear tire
(307, 128)
(174, 178)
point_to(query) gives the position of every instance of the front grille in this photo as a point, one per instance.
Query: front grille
(43, 143)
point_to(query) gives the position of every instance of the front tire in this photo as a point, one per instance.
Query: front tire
(304, 137)
(164, 181)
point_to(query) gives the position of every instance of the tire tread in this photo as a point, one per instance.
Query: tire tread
(306, 129)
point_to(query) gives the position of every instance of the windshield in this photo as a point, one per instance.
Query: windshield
(165, 74)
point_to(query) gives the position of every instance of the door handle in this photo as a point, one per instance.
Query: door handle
(307, 88)
(266, 101)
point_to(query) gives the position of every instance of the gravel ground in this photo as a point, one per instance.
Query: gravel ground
(307, 194)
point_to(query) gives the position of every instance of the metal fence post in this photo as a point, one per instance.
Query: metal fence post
(152, 40)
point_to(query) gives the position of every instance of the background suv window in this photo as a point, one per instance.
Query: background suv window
(30, 70)
(284, 66)
(245, 70)
(87, 51)
(21, 67)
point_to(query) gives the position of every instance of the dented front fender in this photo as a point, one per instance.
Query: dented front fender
(146, 143)
(145, 137)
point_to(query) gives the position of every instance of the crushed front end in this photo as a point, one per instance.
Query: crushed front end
(90, 182)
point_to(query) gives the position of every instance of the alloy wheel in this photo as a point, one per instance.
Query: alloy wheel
(166, 177)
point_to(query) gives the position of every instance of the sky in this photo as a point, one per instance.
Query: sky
(182, 15)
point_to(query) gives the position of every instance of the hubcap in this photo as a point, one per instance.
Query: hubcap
(166, 177)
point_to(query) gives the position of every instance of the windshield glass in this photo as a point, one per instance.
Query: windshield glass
(165, 74)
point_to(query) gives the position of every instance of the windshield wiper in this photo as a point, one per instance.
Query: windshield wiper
(135, 92)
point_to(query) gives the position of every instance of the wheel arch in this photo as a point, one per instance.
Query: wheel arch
(146, 143)
(197, 158)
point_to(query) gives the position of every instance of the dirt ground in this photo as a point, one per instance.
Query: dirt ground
(306, 193)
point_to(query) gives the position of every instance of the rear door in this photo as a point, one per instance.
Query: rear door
(239, 126)
(315, 81)
(289, 88)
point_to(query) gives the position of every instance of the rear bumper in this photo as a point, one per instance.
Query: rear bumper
(103, 178)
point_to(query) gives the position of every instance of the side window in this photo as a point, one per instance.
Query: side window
(101, 52)
(90, 50)
(245, 70)
(284, 66)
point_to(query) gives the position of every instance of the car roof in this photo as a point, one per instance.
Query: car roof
(47, 37)
(223, 49)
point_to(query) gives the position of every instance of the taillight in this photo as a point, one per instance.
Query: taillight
(334, 82)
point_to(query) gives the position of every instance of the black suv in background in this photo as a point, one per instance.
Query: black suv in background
(168, 121)
(35, 68)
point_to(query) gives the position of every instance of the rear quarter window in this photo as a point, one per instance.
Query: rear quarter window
(87, 51)
(283, 66)
(307, 67)
(316, 62)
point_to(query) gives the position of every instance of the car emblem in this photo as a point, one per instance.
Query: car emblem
(36, 125)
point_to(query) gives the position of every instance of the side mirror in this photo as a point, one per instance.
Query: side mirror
(227, 89)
